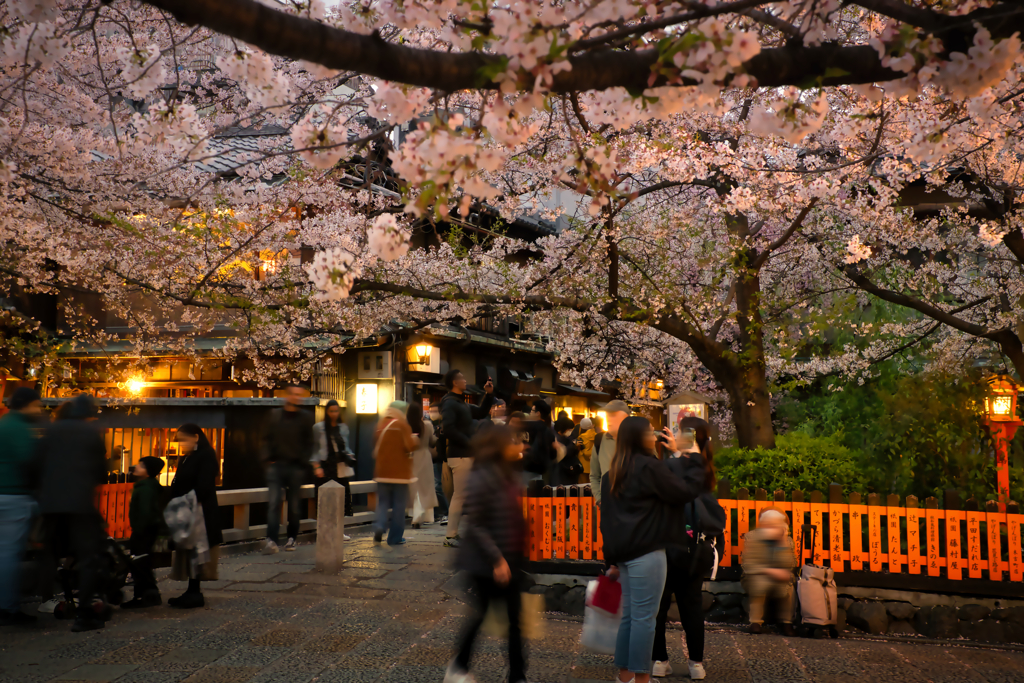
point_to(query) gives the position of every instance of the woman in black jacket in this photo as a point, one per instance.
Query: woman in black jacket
(197, 472)
(688, 564)
(492, 547)
(641, 502)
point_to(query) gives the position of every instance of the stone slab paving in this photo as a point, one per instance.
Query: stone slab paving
(392, 616)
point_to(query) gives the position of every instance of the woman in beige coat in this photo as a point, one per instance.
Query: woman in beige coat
(423, 493)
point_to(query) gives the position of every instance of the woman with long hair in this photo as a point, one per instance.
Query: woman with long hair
(688, 564)
(641, 501)
(196, 472)
(492, 547)
(423, 493)
(333, 459)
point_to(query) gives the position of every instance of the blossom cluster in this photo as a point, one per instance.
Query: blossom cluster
(386, 239)
(332, 273)
(441, 161)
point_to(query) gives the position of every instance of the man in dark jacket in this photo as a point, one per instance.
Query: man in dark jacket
(457, 418)
(17, 446)
(288, 446)
(541, 455)
(72, 462)
(146, 516)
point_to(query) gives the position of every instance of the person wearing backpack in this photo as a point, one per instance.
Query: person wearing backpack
(642, 504)
(689, 562)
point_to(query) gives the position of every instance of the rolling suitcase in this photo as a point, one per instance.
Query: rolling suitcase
(816, 595)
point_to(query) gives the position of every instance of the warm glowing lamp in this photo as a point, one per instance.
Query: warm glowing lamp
(135, 386)
(366, 399)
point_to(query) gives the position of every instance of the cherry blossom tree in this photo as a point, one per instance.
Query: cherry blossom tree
(737, 178)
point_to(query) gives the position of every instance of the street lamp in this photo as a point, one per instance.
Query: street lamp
(1001, 418)
(423, 352)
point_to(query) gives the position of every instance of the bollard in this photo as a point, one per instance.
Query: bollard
(330, 528)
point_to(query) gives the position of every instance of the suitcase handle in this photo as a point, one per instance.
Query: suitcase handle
(811, 531)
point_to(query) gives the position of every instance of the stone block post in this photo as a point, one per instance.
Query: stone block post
(330, 528)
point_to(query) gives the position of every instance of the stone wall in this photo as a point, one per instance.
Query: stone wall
(878, 612)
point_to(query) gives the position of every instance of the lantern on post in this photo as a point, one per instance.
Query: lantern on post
(1002, 421)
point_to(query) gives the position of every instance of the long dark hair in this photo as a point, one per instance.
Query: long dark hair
(194, 430)
(629, 443)
(415, 417)
(327, 417)
(489, 449)
(702, 435)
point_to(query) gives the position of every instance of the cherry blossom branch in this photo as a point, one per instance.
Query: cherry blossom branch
(295, 37)
(777, 244)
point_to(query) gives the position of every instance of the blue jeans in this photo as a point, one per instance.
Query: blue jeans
(16, 514)
(394, 497)
(287, 478)
(442, 500)
(643, 581)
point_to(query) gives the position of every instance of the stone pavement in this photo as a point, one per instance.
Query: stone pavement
(392, 616)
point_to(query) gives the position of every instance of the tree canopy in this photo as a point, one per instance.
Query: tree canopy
(738, 185)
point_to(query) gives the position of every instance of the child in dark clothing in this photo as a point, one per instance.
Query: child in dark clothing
(145, 513)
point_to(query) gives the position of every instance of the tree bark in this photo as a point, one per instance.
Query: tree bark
(295, 37)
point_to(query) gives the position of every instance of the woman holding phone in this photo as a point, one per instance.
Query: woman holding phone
(641, 503)
(688, 563)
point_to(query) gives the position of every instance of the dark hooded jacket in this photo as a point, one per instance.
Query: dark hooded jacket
(71, 461)
(647, 514)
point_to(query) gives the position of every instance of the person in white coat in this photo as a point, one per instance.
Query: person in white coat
(422, 494)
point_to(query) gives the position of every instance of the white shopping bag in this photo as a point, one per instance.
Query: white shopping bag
(600, 628)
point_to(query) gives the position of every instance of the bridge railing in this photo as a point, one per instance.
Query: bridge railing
(113, 500)
(855, 533)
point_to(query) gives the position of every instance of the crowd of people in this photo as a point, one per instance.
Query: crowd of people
(459, 464)
(49, 471)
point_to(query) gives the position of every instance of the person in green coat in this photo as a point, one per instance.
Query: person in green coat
(146, 516)
(17, 507)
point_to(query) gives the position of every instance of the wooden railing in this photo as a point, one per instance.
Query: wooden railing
(113, 500)
(958, 541)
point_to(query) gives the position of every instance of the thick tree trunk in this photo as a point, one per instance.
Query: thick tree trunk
(751, 408)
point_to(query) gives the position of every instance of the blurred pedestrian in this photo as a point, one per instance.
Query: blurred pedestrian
(586, 447)
(17, 506)
(146, 517)
(439, 459)
(690, 562)
(197, 472)
(423, 498)
(394, 445)
(71, 463)
(492, 549)
(498, 412)
(604, 446)
(458, 419)
(642, 501)
(333, 459)
(566, 469)
(540, 455)
(287, 450)
(768, 562)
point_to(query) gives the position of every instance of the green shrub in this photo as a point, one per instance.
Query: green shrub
(919, 434)
(799, 462)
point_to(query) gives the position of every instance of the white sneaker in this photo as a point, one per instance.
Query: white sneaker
(290, 545)
(50, 605)
(346, 537)
(270, 549)
(661, 669)
(453, 676)
(697, 670)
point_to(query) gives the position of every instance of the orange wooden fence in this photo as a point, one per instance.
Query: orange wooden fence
(957, 541)
(112, 501)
